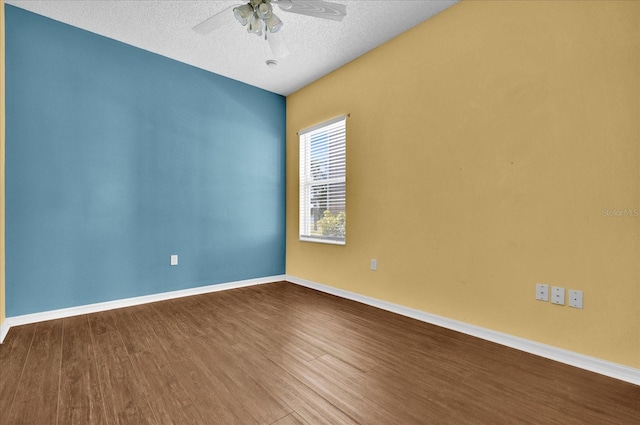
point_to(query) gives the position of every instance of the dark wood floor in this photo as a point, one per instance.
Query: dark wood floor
(283, 354)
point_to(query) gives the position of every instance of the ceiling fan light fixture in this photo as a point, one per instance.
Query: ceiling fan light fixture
(273, 23)
(255, 25)
(243, 13)
(264, 11)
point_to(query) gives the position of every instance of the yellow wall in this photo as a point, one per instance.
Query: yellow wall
(2, 302)
(484, 147)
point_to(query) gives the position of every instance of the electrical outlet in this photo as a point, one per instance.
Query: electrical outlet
(174, 260)
(575, 298)
(557, 295)
(542, 292)
(374, 265)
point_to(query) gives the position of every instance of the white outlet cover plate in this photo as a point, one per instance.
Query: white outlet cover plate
(557, 295)
(575, 298)
(174, 260)
(542, 292)
(374, 265)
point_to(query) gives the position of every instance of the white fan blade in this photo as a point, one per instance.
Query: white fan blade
(277, 44)
(214, 22)
(315, 8)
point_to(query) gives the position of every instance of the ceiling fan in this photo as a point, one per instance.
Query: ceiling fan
(257, 15)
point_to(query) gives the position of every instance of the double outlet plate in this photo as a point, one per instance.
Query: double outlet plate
(557, 295)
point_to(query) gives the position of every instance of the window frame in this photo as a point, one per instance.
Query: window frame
(335, 130)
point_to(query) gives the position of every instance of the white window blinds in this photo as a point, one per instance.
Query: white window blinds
(323, 182)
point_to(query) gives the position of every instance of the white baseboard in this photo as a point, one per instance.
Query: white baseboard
(127, 302)
(603, 367)
(4, 329)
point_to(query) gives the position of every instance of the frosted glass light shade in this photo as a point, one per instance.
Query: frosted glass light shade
(255, 25)
(264, 11)
(243, 13)
(273, 23)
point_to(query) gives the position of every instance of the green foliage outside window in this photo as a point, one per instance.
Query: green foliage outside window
(332, 225)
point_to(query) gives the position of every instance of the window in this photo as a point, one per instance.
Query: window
(323, 182)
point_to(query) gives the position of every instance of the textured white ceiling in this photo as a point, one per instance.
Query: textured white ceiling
(317, 46)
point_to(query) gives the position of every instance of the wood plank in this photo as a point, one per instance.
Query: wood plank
(336, 345)
(125, 398)
(13, 355)
(137, 331)
(311, 407)
(80, 401)
(270, 335)
(261, 404)
(169, 400)
(349, 400)
(394, 396)
(211, 392)
(36, 399)
(423, 397)
(391, 395)
(579, 399)
(292, 419)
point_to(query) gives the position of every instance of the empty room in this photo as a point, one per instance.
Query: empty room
(301, 212)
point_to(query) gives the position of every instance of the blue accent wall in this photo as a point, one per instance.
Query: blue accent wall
(117, 158)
